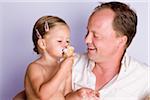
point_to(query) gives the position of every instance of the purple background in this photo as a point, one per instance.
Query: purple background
(16, 23)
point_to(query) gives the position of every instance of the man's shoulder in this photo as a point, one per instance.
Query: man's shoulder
(135, 63)
(81, 60)
(81, 57)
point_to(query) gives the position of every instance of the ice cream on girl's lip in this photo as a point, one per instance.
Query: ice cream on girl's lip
(68, 51)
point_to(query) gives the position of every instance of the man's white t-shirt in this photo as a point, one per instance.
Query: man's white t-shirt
(132, 82)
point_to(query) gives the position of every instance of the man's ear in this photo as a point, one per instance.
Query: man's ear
(123, 40)
(42, 44)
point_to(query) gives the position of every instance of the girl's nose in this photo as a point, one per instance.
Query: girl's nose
(65, 44)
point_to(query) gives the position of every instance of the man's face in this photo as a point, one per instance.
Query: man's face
(101, 39)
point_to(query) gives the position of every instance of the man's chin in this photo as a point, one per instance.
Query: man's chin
(90, 56)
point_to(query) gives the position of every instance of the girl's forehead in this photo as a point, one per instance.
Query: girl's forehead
(59, 27)
(59, 31)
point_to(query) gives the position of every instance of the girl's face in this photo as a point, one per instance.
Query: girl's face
(57, 38)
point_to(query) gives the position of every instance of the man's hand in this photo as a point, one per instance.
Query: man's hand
(83, 94)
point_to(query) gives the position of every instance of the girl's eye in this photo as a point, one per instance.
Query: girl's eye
(68, 41)
(59, 41)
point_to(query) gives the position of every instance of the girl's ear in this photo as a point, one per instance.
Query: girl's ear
(42, 44)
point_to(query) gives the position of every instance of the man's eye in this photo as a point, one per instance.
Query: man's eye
(98, 37)
(95, 36)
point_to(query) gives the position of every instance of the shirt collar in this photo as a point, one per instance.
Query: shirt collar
(91, 65)
(124, 63)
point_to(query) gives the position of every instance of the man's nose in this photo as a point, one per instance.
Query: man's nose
(88, 38)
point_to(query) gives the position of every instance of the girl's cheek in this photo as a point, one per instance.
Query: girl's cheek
(60, 49)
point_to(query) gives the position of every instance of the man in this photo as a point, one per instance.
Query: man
(106, 68)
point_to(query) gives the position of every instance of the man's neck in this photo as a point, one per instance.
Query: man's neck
(111, 65)
(108, 67)
(105, 71)
(104, 74)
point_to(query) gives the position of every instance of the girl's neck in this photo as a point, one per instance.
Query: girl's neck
(47, 59)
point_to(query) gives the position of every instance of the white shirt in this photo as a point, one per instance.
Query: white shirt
(130, 84)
